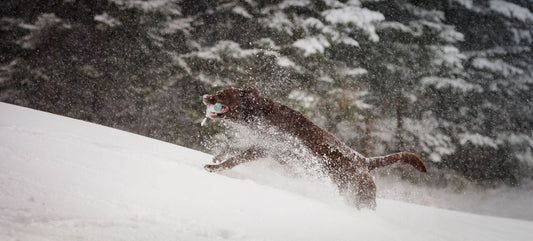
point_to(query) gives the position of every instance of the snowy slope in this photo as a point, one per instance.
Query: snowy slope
(64, 179)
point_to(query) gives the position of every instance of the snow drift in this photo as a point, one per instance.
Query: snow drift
(65, 179)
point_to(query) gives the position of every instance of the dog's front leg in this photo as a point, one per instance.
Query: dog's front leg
(225, 154)
(249, 155)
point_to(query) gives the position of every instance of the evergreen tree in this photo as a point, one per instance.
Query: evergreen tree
(494, 123)
(450, 80)
(416, 52)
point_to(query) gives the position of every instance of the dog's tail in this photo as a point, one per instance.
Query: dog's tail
(405, 157)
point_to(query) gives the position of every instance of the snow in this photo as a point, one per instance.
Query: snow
(448, 55)
(525, 156)
(227, 48)
(280, 22)
(434, 16)
(65, 179)
(305, 99)
(360, 17)
(325, 78)
(500, 50)
(398, 26)
(520, 138)
(511, 10)
(524, 142)
(362, 105)
(353, 71)
(520, 35)
(468, 4)
(251, 3)
(313, 22)
(496, 66)
(43, 22)
(6, 70)
(147, 6)
(455, 84)
(312, 45)
(106, 19)
(267, 43)
(431, 137)
(450, 35)
(285, 62)
(350, 41)
(334, 3)
(179, 24)
(294, 3)
(224, 47)
(241, 11)
(479, 140)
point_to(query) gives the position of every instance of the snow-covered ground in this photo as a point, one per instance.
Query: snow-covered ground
(65, 179)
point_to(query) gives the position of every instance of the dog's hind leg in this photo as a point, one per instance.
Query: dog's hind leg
(366, 191)
(249, 155)
(359, 190)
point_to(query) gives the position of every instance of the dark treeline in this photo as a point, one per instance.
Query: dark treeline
(451, 80)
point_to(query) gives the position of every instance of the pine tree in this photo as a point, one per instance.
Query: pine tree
(450, 80)
(416, 53)
(493, 136)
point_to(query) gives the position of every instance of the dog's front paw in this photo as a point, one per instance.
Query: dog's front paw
(212, 168)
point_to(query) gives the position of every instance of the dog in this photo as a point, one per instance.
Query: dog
(347, 168)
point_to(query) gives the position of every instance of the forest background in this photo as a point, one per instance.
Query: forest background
(450, 80)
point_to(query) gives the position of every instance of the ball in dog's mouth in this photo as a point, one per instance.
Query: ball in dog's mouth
(215, 111)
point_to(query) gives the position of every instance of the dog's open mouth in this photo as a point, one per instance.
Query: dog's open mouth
(216, 111)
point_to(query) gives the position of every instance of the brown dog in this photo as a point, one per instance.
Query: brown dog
(346, 167)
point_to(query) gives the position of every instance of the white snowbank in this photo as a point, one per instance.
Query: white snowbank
(64, 179)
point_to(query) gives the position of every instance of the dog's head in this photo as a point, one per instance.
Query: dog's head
(235, 103)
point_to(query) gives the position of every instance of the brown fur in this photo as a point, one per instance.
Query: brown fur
(346, 167)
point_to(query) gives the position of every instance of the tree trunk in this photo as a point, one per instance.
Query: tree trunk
(367, 138)
(400, 106)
